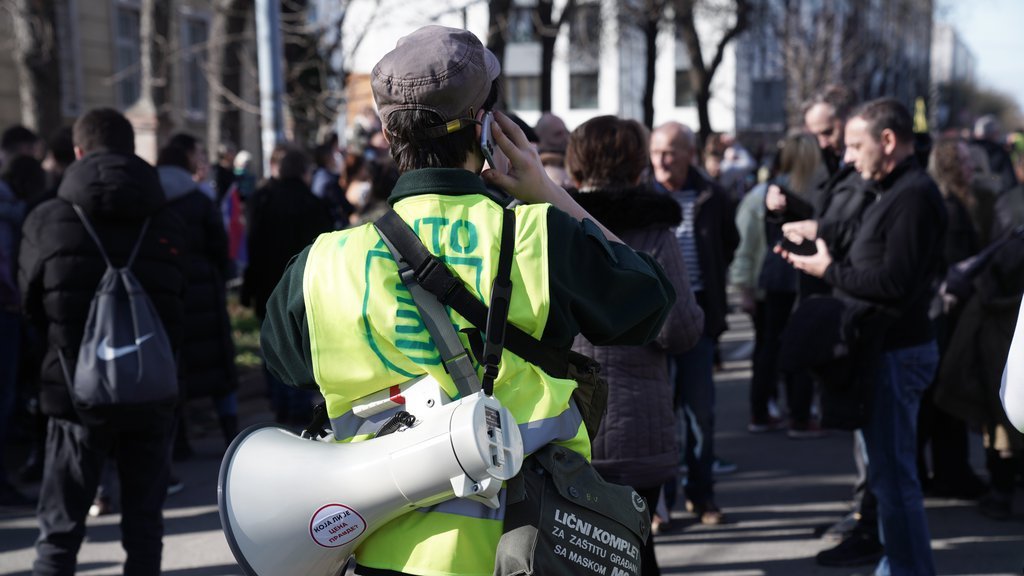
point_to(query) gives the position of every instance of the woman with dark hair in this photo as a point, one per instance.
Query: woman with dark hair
(799, 163)
(636, 446)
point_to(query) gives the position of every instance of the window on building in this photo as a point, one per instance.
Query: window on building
(196, 31)
(128, 79)
(684, 89)
(768, 101)
(583, 90)
(522, 92)
(70, 65)
(520, 25)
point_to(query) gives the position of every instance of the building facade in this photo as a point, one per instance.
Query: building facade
(99, 50)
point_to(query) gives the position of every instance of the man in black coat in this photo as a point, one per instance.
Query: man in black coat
(834, 216)
(891, 267)
(60, 268)
(284, 218)
(708, 239)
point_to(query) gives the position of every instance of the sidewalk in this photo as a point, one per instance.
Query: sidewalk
(783, 490)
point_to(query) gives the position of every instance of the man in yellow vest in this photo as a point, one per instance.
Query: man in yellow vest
(342, 321)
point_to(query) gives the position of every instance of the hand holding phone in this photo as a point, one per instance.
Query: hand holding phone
(805, 248)
(496, 160)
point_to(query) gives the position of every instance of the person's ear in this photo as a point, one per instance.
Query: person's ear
(479, 128)
(79, 153)
(888, 141)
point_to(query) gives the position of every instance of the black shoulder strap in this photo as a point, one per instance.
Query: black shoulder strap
(436, 278)
(501, 296)
(99, 244)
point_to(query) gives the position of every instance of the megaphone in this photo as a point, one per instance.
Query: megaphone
(296, 506)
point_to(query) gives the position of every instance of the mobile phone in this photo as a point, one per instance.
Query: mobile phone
(805, 248)
(487, 139)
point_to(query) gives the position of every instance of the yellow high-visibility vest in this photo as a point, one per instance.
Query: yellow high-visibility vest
(366, 335)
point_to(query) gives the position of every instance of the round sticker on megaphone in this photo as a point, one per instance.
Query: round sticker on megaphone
(335, 525)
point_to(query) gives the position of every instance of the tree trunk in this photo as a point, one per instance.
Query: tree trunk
(651, 42)
(702, 73)
(547, 34)
(225, 70)
(36, 59)
(497, 27)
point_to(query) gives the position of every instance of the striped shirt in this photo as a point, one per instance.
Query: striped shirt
(686, 235)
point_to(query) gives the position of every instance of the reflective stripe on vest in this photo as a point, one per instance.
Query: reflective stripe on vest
(366, 335)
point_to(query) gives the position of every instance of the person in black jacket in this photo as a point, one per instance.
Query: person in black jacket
(708, 239)
(208, 354)
(834, 214)
(284, 218)
(60, 267)
(890, 270)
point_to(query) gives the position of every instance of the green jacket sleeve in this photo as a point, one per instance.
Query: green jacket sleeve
(604, 290)
(284, 337)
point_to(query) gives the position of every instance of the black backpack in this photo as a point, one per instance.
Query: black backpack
(125, 360)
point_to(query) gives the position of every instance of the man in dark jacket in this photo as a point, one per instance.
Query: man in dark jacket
(284, 218)
(60, 267)
(835, 216)
(708, 239)
(890, 266)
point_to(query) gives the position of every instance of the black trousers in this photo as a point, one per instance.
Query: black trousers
(770, 320)
(74, 459)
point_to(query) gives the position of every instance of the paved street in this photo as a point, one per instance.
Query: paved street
(782, 491)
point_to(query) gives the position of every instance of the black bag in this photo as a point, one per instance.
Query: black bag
(562, 518)
(125, 359)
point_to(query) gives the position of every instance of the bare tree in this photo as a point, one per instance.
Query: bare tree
(36, 59)
(874, 53)
(224, 71)
(497, 27)
(316, 63)
(649, 17)
(732, 17)
(547, 29)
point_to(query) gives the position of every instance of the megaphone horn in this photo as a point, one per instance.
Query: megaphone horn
(294, 506)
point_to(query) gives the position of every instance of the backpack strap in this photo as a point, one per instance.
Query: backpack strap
(95, 237)
(501, 297)
(434, 276)
(454, 356)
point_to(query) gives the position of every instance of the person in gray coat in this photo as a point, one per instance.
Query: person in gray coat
(636, 443)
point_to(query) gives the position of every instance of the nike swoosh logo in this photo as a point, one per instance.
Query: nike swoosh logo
(105, 352)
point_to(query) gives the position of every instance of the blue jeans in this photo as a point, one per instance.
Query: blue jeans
(695, 394)
(891, 439)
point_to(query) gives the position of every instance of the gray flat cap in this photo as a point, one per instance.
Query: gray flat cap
(443, 70)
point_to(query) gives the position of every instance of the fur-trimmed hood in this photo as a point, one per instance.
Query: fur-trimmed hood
(630, 208)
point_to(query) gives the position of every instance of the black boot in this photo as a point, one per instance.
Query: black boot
(998, 503)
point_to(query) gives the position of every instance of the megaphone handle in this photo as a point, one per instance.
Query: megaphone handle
(400, 420)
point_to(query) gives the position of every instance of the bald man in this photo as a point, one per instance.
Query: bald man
(552, 133)
(708, 239)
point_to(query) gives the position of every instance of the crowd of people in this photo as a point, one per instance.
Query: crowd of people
(882, 270)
